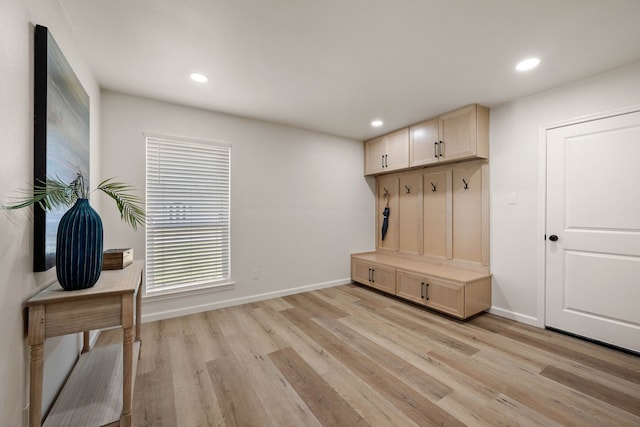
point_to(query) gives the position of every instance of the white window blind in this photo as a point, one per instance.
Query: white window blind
(187, 206)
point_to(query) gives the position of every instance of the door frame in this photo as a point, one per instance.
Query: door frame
(542, 196)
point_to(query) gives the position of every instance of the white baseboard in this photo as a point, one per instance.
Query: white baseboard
(152, 310)
(518, 317)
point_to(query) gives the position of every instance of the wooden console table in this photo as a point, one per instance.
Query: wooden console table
(95, 393)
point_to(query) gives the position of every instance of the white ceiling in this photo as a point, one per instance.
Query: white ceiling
(335, 65)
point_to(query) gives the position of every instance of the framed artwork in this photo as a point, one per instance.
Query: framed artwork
(61, 136)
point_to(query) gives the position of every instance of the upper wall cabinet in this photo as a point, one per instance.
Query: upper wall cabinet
(387, 153)
(423, 143)
(458, 135)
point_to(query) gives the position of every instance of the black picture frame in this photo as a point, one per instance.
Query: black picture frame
(61, 136)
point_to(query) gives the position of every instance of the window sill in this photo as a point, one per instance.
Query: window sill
(179, 292)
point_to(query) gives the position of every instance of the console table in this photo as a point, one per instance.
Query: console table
(99, 390)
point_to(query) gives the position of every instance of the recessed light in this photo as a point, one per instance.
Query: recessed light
(376, 123)
(528, 64)
(197, 77)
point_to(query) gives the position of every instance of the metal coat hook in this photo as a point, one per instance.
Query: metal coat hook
(386, 192)
(433, 186)
(408, 190)
(466, 184)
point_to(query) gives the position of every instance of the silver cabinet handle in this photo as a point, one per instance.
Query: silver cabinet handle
(440, 150)
(435, 149)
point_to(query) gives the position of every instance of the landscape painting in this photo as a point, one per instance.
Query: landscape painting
(61, 136)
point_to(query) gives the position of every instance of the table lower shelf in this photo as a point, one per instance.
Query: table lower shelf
(92, 395)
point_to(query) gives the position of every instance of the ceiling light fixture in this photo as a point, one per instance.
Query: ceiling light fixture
(376, 123)
(528, 64)
(200, 78)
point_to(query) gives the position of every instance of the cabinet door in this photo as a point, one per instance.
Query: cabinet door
(374, 151)
(360, 271)
(384, 279)
(411, 286)
(397, 150)
(445, 296)
(436, 214)
(410, 188)
(458, 133)
(468, 213)
(387, 188)
(423, 143)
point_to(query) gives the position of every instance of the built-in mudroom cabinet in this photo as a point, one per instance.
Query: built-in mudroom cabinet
(432, 226)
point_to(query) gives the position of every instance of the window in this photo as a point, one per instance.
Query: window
(188, 204)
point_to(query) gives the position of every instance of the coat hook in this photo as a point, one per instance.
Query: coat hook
(408, 190)
(433, 186)
(386, 192)
(466, 184)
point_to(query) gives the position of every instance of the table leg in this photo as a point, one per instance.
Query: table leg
(139, 315)
(86, 342)
(36, 341)
(127, 371)
(35, 384)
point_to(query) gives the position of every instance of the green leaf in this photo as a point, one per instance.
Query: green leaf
(54, 193)
(129, 205)
(48, 195)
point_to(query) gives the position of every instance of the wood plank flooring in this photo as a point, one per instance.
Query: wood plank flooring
(348, 356)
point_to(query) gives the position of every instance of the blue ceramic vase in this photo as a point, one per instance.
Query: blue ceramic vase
(79, 247)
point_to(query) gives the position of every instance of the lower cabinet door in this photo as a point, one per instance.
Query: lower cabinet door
(384, 279)
(411, 286)
(360, 271)
(376, 276)
(445, 296)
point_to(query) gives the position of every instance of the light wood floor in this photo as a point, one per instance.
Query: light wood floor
(348, 356)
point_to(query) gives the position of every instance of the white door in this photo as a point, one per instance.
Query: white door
(593, 208)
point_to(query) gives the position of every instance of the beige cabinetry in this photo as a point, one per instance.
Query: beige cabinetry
(441, 295)
(411, 286)
(460, 134)
(464, 133)
(408, 213)
(387, 153)
(374, 275)
(441, 213)
(457, 292)
(436, 247)
(471, 213)
(374, 152)
(423, 143)
(437, 214)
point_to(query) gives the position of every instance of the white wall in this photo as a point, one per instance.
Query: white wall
(299, 202)
(17, 281)
(517, 245)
